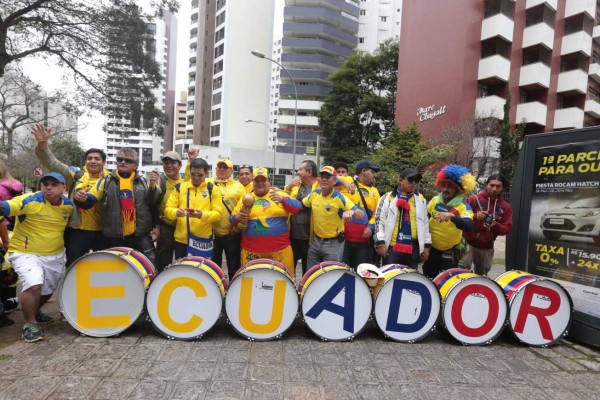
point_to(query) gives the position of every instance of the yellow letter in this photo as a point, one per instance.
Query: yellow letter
(164, 299)
(276, 313)
(86, 293)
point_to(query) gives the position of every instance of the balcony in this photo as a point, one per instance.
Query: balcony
(497, 25)
(533, 112)
(302, 120)
(574, 7)
(538, 34)
(535, 75)
(194, 26)
(535, 3)
(596, 33)
(572, 81)
(592, 107)
(192, 69)
(568, 118)
(594, 72)
(490, 106)
(576, 42)
(495, 68)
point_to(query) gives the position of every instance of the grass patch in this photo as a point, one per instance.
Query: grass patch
(498, 261)
(5, 357)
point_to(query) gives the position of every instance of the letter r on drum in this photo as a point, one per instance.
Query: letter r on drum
(540, 314)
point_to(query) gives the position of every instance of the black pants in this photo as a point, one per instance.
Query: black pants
(439, 261)
(231, 245)
(300, 250)
(165, 246)
(79, 242)
(410, 260)
(143, 244)
(358, 253)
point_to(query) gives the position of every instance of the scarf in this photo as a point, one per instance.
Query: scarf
(441, 207)
(404, 239)
(127, 203)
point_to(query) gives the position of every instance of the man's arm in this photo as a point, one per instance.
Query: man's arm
(504, 226)
(43, 153)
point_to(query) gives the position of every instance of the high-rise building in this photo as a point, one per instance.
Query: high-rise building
(183, 140)
(378, 20)
(226, 83)
(458, 58)
(149, 147)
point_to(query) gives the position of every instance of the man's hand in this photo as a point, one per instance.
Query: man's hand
(425, 254)
(155, 234)
(382, 251)
(367, 232)
(81, 195)
(193, 153)
(275, 196)
(294, 182)
(481, 215)
(444, 216)
(41, 135)
(347, 215)
(153, 178)
(241, 217)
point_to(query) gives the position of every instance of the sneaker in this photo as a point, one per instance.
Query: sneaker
(43, 318)
(32, 332)
(10, 304)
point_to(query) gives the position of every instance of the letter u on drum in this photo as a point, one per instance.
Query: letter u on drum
(102, 293)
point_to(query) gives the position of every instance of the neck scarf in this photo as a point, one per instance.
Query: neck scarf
(404, 238)
(127, 203)
(452, 203)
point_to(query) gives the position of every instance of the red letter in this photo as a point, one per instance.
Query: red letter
(457, 306)
(539, 313)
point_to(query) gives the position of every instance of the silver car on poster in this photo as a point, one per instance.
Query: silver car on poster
(581, 218)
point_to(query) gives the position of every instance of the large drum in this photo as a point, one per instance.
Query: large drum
(336, 301)
(407, 304)
(103, 293)
(262, 301)
(186, 299)
(474, 308)
(540, 309)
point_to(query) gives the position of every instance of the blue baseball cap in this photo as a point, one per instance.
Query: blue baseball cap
(54, 175)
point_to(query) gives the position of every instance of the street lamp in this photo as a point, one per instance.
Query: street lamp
(274, 145)
(262, 55)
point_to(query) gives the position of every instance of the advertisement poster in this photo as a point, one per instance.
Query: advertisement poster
(564, 231)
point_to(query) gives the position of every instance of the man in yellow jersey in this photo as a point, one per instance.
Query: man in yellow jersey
(195, 205)
(84, 232)
(165, 232)
(129, 208)
(359, 248)
(345, 183)
(329, 209)
(402, 224)
(450, 215)
(300, 225)
(245, 174)
(36, 250)
(267, 234)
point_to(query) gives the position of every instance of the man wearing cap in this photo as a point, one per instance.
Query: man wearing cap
(195, 205)
(245, 174)
(267, 234)
(329, 209)
(358, 248)
(84, 231)
(450, 215)
(170, 179)
(300, 223)
(225, 240)
(36, 250)
(402, 224)
(129, 204)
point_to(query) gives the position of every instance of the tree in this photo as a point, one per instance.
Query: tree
(359, 110)
(509, 141)
(98, 42)
(20, 102)
(68, 151)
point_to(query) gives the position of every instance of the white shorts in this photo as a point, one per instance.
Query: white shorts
(39, 270)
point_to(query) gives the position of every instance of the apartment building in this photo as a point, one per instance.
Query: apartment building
(378, 20)
(458, 58)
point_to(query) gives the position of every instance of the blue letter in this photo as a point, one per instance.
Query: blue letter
(346, 283)
(392, 321)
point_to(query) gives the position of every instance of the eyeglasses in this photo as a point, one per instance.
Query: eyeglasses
(197, 175)
(125, 160)
(413, 180)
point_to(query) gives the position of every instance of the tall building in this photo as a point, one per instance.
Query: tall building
(183, 140)
(226, 83)
(149, 147)
(317, 36)
(457, 59)
(378, 20)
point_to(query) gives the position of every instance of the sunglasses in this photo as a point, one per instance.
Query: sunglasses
(413, 180)
(125, 160)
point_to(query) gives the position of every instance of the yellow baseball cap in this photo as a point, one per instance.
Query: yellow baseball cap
(226, 162)
(329, 170)
(261, 171)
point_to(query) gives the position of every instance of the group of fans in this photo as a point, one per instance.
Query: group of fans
(323, 214)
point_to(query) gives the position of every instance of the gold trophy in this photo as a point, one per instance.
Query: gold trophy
(247, 203)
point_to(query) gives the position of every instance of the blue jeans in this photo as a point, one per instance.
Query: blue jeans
(231, 245)
(358, 253)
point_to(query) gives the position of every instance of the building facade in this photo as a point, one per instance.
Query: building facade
(457, 60)
(378, 21)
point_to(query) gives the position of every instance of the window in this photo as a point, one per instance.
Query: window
(215, 130)
(361, 40)
(363, 12)
(219, 50)
(216, 99)
(383, 19)
(215, 115)
(220, 35)
(218, 67)
(217, 82)
(220, 18)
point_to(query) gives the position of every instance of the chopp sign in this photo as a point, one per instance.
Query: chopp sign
(430, 112)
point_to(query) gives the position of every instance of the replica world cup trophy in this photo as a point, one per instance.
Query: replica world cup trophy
(247, 203)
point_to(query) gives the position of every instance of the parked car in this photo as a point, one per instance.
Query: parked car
(581, 218)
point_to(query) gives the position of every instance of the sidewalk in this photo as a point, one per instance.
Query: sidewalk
(142, 364)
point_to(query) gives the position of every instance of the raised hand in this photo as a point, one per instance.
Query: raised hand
(193, 153)
(41, 133)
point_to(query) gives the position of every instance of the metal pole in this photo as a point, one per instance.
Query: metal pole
(262, 55)
(268, 131)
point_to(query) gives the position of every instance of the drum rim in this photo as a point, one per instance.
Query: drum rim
(435, 320)
(276, 337)
(350, 337)
(138, 255)
(318, 267)
(504, 323)
(71, 321)
(282, 267)
(217, 270)
(187, 339)
(447, 271)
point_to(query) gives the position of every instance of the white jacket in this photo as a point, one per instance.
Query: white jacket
(387, 216)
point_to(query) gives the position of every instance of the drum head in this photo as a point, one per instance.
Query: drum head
(417, 311)
(482, 315)
(547, 329)
(184, 302)
(102, 294)
(261, 303)
(329, 325)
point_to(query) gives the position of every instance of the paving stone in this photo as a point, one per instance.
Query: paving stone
(145, 351)
(298, 356)
(130, 369)
(364, 374)
(334, 375)
(593, 365)
(94, 367)
(334, 392)
(234, 355)
(301, 373)
(263, 390)
(197, 371)
(112, 351)
(327, 358)
(407, 392)
(231, 371)
(298, 391)
(204, 353)
(226, 390)
(79, 351)
(189, 390)
(154, 389)
(45, 349)
(567, 364)
(457, 393)
(74, 387)
(425, 377)
(164, 370)
(368, 391)
(110, 388)
(567, 351)
(21, 365)
(34, 387)
(175, 351)
(15, 348)
(555, 380)
(267, 372)
(58, 365)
